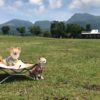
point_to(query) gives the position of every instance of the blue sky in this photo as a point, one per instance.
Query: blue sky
(34, 10)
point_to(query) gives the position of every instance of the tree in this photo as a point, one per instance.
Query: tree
(35, 30)
(21, 30)
(88, 27)
(5, 29)
(54, 29)
(74, 30)
(46, 34)
(57, 29)
(62, 29)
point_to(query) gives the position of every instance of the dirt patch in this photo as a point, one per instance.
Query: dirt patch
(94, 87)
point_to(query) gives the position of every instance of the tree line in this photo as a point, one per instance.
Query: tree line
(57, 30)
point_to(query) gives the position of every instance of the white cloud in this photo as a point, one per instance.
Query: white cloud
(84, 3)
(40, 9)
(18, 3)
(40, 6)
(15, 6)
(55, 3)
(36, 2)
(2, 3)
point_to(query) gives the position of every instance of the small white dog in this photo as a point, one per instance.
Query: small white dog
(37, 69)
(14, 55)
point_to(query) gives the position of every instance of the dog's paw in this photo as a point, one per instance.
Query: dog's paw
(42, 77)
(37, 78)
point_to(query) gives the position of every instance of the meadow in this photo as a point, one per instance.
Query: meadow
(72, 71)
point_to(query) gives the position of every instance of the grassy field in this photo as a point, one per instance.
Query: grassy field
(72, 71)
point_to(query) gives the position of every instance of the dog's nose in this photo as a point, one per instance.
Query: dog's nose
(15, 53)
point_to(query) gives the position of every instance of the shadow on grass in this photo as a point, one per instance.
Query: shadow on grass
(94, 87)
(13, 78)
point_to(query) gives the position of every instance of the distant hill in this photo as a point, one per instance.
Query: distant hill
(83, 19)
(78, 18)
(17, 23)
(13, 24)
(45, 25)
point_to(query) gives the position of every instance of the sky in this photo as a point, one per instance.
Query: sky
(35, 10)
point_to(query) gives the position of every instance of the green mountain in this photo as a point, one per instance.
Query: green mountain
(18, 23)
(45, 25)
(78, 18)
(15, 23)
(83, 19)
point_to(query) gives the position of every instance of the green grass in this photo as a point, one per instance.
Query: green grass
(71, 64)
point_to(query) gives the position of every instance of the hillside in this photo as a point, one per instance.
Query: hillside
(83, 19)
(17, 23)
(45, 25)
(78, 18)
(13, 24)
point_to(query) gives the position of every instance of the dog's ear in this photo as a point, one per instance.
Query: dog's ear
(39, 57)
(42, 56)
(10, 49)
(19, 48)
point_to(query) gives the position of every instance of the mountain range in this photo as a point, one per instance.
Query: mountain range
(78, 18)
(15, 23)
(83, 19)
